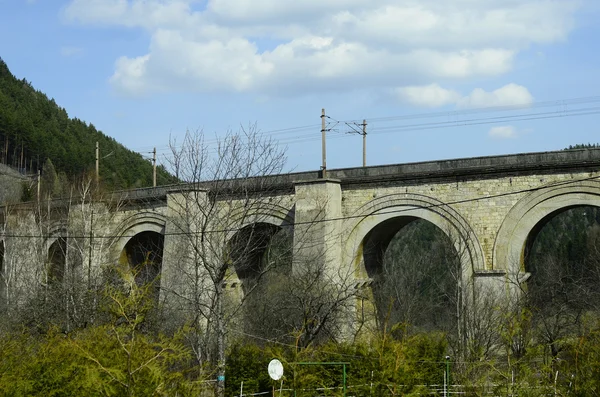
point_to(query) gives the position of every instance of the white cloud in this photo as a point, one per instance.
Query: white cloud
(275, 47)
(150, 14)
(433, 95)
(174, 63)
(509, 95)
(428, 96)
(503, 132)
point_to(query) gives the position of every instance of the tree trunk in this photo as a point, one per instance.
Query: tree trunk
(220, 389)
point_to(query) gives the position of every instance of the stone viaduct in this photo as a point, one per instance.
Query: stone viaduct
(491, 207)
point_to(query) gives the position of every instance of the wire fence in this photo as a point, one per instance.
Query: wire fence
(384, 390)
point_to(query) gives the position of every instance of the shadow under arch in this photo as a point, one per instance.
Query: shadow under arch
(135, 224)
(258, 247)
(267, 213)
(56, 246)
(143, 253)
(56, 261)
(140, 246)
(250, 246)
(530, 213)
(374, 224)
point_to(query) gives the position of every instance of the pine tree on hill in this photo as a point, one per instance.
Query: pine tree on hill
(33, 128)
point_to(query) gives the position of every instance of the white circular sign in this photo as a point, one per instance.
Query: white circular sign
(275, 369)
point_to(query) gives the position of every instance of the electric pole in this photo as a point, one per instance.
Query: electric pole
(154, 167)
(323, 144)
(364, 134)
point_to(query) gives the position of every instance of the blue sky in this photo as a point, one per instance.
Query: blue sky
(141, 70)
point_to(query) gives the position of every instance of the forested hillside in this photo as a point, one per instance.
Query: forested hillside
(33, 128)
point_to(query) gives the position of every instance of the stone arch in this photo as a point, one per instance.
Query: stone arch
(528, 212)
(56, 246)
(260, 225)
(143, 254)
(139, 244)
(249, 246)
(134, 225)
(257, 233)
(56, 230)
(268, 213)
(56, 261)
(412, 206)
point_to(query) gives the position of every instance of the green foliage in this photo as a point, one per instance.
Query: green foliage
(380, 367)
(49, 183)
(416, 284)
(33, 123)
(583, 146)
(248, 364)
(586, 352)
(113, 359)
(99, 361)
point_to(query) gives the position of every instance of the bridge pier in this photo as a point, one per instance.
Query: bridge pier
(317, 228)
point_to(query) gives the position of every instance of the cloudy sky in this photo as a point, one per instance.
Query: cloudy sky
(434, 79)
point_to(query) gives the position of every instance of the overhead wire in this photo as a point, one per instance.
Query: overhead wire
(588, 111)
(486, 109)
(564, 112)
(212, 141)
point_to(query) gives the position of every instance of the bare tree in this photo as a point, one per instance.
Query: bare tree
(301, 307)
(222, 218)
(51, 261)
(91, 213)
(24, 276)
(15, 276)
(418, 282)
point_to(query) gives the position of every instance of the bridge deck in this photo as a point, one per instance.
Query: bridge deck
(442, 170)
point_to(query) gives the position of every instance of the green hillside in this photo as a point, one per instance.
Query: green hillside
(34, 128)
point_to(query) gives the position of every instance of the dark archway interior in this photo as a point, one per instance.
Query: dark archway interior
(261, 255)
(564, 219)
(377, 241)
(144, 253)
(416, 271)
(562, 254)
(257, 246)
(57, 258)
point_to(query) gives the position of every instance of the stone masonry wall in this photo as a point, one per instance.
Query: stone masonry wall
(484, 203)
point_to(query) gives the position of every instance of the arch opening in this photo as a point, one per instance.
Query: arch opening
(573, 225)
(261, 255)
(57, 261)
(259, 247)
(562, 256)
(415, 269)
(144, 254)
(530, 213)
